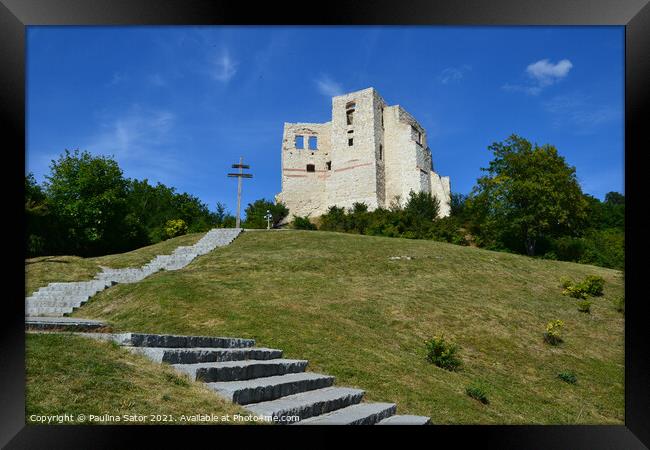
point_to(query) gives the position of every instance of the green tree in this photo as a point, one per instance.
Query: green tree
(529, 194)
(88, 195)
(37, 217)
(256, 212)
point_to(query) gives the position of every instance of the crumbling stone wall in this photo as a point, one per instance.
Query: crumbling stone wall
(370, 152)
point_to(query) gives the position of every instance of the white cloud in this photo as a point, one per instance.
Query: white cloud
(580, 112)
(543, 74)
(547, 73)
(224, 67)
(328, 87)
(453, 74)
(143, 143)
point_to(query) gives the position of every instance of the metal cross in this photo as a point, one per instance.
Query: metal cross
(241, 166)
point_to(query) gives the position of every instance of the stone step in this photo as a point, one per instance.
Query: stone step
(174, 341)
(62, 297)
(405, 420)
(241, 370)
(203, 355)
(360, 414)
(308, 404)
(48, 311)
(63, 323)
(270, 388)
(61, 303)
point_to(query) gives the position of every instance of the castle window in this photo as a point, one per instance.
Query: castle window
(349, 112)
(416, 134)
(300, 141)
(350, 142)
(381, 152)
(313, 142)
(328, 165)
(311, 168)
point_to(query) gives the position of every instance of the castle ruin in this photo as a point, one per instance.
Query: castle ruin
(369, 153)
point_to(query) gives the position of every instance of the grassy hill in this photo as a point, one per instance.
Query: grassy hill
(339, 301)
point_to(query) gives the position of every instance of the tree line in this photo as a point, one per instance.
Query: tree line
(86, 207)
(529, 201)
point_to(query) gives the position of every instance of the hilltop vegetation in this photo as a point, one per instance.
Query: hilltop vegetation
(355, 312)
(529, 202)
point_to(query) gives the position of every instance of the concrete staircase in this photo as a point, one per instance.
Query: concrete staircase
(59, 299)
(262, 381)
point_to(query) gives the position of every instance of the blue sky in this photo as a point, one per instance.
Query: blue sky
(179, 105)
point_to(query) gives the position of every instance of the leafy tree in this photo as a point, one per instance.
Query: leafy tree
(37, 216)
(529, 193)
(88, 195)
(256, 211)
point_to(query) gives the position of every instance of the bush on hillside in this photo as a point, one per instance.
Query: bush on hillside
(302, 223)
(584, 306)
(443, 353)
(593, 285)
(477, 392)
(553, 333)
(568, 377)
(175, 227)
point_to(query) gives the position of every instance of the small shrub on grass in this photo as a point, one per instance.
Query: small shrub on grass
(553, 334)
(575, 291)
(565, 282)
(442, 353)
(175, 227)
(584, 306)
(619, 304)
(568, 377)
(593, 285)
(477, 392)
(302, 223)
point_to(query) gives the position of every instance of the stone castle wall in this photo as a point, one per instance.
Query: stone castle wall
(370, 153)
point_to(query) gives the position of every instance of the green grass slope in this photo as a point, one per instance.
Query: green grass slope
(68, 374)
(51, 269)
(337, 300)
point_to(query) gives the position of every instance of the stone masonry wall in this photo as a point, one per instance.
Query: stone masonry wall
(382, 154)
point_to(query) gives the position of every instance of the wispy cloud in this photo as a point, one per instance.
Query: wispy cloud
(328, 86)
(142, 141)
(580, 112)
(223, 67)
(157, 79)
(453, 74)
(542, 74)
(117, 78)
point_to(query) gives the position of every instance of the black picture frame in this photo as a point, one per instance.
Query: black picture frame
(15, 15)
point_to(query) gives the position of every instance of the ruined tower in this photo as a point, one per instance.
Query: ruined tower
(369, 153)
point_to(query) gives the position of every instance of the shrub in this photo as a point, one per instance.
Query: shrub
(565, 282)
(619, 304)
(593, 285)
(568, 377)
(442, 353)
(575, 291)
(553, 334)
(584, 306)
(477, 392)
(175, 227)
(302, 223)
